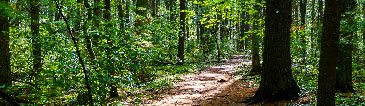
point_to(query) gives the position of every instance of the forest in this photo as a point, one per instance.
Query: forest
(182, 52)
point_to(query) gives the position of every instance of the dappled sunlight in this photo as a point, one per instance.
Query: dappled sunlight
(207, 86)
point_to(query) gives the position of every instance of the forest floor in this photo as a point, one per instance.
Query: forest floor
(218, 85)
(215, 85)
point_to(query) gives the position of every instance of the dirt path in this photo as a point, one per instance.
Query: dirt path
(214, 86)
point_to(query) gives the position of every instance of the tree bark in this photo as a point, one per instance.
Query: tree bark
(303, 10)
(181, 48)
(344, 71)
(276, 56)
(5, 70)
(37, 57)
(329, 53)
(256, 68)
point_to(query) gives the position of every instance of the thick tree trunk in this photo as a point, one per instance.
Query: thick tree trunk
(329, 53)
(276, 56)
(37, 57)
(5, 70)
(344, 71)
(181, 48)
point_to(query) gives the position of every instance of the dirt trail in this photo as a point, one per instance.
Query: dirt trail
(214, 86)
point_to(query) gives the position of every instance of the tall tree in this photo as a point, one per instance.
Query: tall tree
(303, 10)
(276, 56)
(256, 68)
(329, 53)
(87, 19)
(181, 48)
(97, 17)
(5, 73)
(121, 14)
(111, 72)
(344, 70)
(37, 57)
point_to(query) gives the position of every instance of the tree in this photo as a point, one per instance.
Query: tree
(303, 10)
(329, 53)
(256, 68)
(5, 71)
(276, 55)
(113, 89)
(181, 48)
(344, 71)
(85, 30)
(36, 40)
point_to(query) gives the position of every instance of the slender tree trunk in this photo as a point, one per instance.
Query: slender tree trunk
(320, 12)
(97, 18)
(121, 14)
(276, 56)
(313, 24)
(5, 70)
(329, 53)
(344, 70)
(87, 35)
(127, 12)
(113, 89)
(241, 43)
(37, 57)
(303, 10)
(181, 48)
(294, 12)
(256, 68)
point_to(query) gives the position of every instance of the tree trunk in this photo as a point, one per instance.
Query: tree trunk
(97, 18)
(256, 68)
(113, 89)
(276, 56)
(121, 14)
(303, 10)
(181, 48)
(37, 57)
(241, 43)
(344, 71)
(87, 35)
(329, 53)
(5, 70)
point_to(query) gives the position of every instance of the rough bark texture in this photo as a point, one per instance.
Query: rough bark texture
(181, 48)
(276, 56)
(5, 73)
(329, 53)
(37, 57)
(344, 70)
